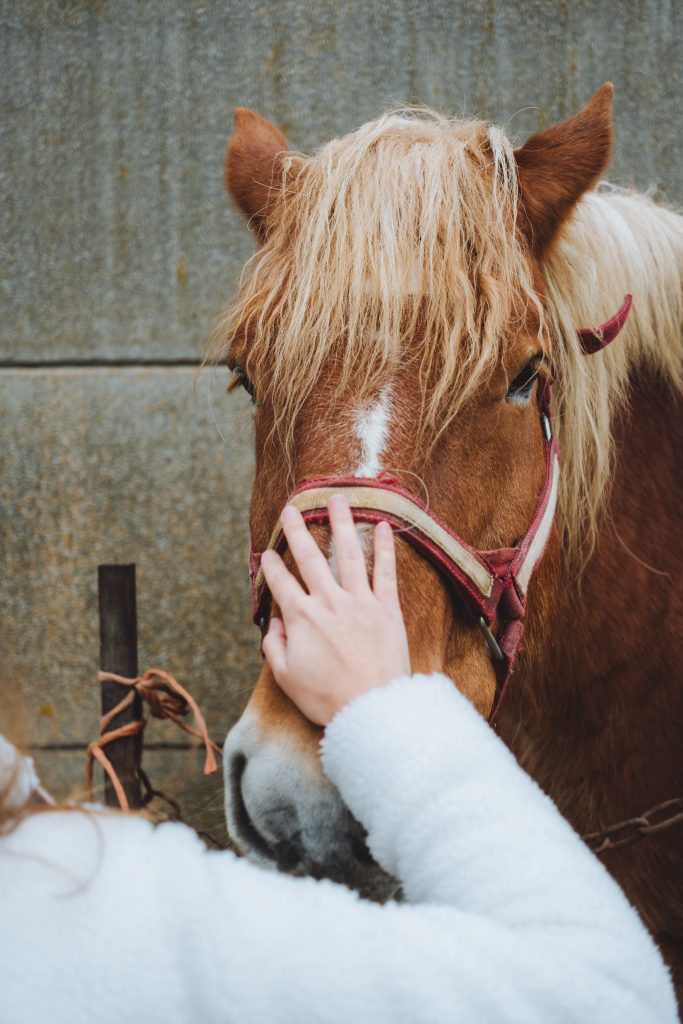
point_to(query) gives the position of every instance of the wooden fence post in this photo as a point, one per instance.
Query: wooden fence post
(119, 654)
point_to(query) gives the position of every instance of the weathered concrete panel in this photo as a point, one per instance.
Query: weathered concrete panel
(126, 465)
(116, 241)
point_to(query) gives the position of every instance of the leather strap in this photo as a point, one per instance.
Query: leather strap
(384, 495)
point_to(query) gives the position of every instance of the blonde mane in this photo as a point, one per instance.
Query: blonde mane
(616, 242)
(406, 227)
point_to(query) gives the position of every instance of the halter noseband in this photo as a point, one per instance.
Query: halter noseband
(492, 584)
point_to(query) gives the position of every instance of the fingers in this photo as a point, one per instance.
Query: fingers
(275, 648)
(353, 573)
(286, 591)
(384, 569)
(312, 564)
(310, 560)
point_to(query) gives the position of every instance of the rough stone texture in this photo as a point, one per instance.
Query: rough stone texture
(117, 242)
(124, 465)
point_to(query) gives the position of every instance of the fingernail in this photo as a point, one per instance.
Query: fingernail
(289, 514)
(266, 556)
(384, 528)
(336, 501)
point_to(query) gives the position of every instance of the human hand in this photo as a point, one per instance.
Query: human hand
(338, 640)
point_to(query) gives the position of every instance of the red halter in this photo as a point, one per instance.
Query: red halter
(492, 584)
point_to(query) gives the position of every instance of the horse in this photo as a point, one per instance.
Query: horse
(416, 295)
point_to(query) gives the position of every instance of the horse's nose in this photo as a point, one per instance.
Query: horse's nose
(281, 844)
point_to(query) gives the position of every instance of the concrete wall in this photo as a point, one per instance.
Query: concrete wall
(118, 249)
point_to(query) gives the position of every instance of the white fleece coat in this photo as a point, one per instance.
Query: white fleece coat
(507, 917)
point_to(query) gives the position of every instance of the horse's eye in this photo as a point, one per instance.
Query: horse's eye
(240, 380)
(520, 388)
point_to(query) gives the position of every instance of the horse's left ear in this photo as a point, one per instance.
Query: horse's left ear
(558, 165)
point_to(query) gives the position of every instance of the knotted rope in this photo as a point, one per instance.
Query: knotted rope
(166, 698)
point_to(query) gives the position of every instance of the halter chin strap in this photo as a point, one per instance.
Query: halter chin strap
(492, 584)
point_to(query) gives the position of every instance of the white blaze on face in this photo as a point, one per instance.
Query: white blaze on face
(372, 430)
(371, 427)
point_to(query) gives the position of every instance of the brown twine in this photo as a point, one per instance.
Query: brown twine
(166, 698)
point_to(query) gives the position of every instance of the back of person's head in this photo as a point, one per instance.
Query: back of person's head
(21, 792)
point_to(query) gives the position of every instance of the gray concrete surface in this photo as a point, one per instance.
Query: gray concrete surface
(117, 243)
(117, 248)
(124, 465)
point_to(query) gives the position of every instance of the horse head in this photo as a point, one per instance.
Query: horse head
(393, 324)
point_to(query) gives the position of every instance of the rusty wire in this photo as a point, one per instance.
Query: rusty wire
(167, 699)
(174, 813)
(632, 830)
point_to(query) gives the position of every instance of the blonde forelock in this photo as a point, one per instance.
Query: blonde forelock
(401, 228)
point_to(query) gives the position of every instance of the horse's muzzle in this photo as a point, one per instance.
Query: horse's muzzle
(283, 813)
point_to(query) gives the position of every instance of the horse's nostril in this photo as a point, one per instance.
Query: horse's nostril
(287, 852)
(247, 834)
(288, 855)
(361, 852)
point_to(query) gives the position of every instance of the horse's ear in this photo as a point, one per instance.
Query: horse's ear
(253, 167)
(558, 165)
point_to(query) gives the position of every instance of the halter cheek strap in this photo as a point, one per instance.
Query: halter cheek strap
(492, 584)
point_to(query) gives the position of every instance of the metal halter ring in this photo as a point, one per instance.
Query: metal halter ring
(547, 429)
(493, 645)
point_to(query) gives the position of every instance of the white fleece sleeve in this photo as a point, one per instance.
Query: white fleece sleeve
(509, 919)
(449, 811)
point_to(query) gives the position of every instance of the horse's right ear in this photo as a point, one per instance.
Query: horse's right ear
(253, 167)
